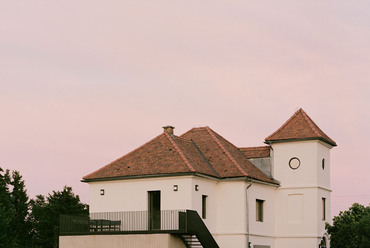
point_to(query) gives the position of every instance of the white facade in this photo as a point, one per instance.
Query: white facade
(292, 212)
(300, 214)
(121, 241)
(276, 196)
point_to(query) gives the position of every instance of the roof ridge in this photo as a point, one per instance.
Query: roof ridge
(191, 130)
(179, 151)
(225, 151)
(201, 154)
(124, 155)
(286, 123)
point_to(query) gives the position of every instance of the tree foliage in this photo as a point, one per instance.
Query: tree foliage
(35, 223)
(20, 202)
(8, 235)
(15, 228)
(46, 212)
(351, 228)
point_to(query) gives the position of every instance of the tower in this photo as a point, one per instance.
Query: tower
(301, 162)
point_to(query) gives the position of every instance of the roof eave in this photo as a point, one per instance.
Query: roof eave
(87, 180)
(269, 142)
(179, 174)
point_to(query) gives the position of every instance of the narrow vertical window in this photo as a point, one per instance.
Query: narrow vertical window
(323, 208)
(259, 210)
(204, 206)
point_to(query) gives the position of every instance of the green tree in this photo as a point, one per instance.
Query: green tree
(351, 228)
(7, 212)
(46, 213)
(20, 202)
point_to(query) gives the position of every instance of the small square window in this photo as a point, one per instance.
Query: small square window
(259, 210)
(102, 192)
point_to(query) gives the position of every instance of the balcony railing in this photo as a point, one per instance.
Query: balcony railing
(178, 222)
(136, 221)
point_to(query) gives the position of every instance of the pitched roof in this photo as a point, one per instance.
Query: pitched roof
(224, 157)
(165, 154)
(200, 150)
(299, 127)
(256, 152)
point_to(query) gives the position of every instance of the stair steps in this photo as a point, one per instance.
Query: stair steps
(191, 241)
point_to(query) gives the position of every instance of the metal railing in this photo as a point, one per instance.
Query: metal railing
(178, 222)
(119, 222)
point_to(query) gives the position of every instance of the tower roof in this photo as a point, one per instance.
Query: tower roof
(299, 127)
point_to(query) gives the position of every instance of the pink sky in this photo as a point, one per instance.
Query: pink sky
(84, 82)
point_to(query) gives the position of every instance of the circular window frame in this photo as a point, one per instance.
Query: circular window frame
(293, 159)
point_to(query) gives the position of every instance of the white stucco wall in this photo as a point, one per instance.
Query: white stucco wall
(310, 172)
(121, 241)
(323, 175)
(299, 199)
(207, 187)
(297, 217)
(232, 218)
(262, 233)
(132, 194)
(305, 175)
(231, 203)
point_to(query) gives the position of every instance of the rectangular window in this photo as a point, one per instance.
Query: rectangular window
(259, 210)
(323, 208)
(204, 206)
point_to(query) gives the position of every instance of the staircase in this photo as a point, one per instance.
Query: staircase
(191, 241)
(195, 233)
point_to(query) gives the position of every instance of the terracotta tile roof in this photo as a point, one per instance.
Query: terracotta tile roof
(299, 127)
(200, 150)
(164, 154)
(225, 158)
(256, 152)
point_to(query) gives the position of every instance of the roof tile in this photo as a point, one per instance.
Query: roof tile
(299, 127)
(256, 152)
(224, 157)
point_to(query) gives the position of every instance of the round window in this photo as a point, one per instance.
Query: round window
(294, 163)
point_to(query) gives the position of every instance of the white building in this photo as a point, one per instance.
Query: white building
(274, 196)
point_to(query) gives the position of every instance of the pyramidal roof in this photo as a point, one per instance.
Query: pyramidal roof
(299, 127)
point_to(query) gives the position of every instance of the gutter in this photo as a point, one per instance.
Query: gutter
(247, 210)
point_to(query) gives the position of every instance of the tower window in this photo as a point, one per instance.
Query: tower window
(259, 210)
(323, 208)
